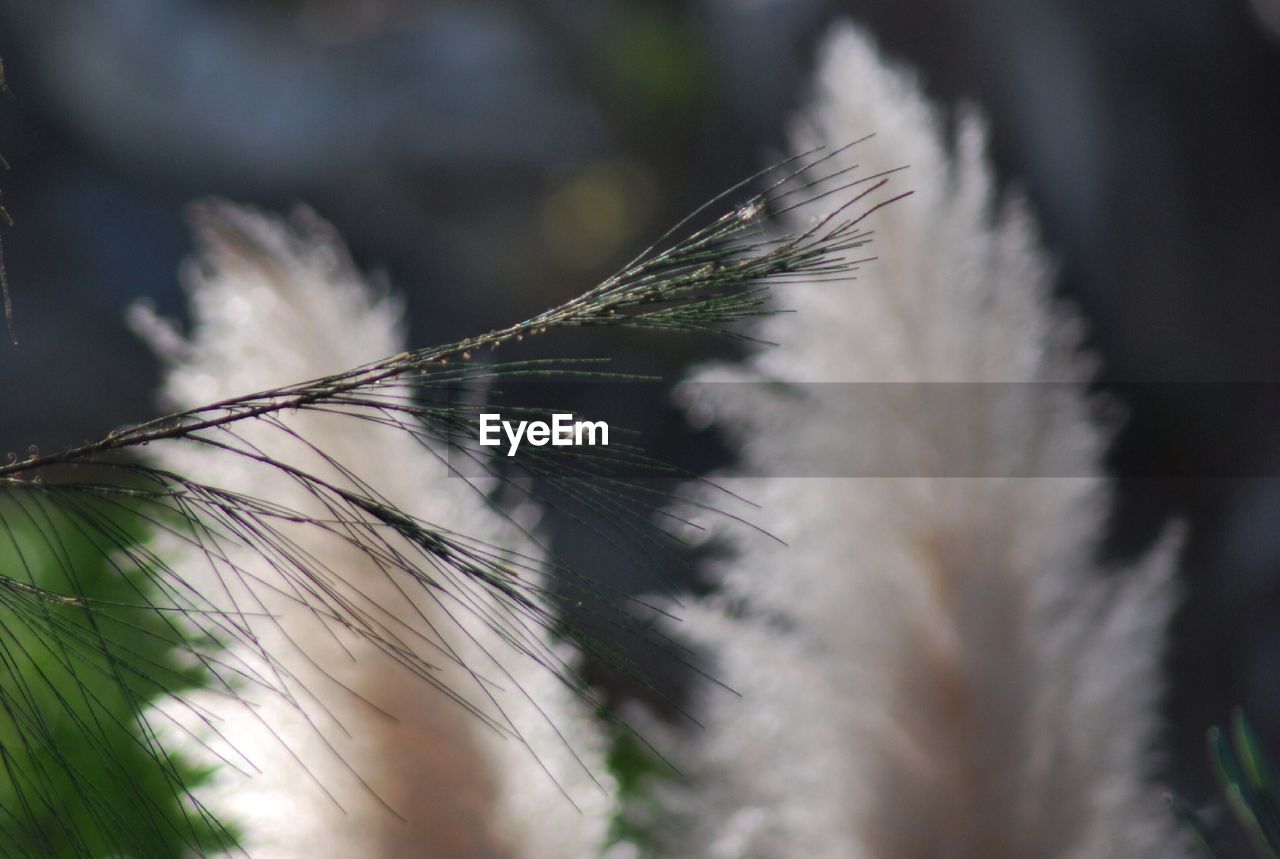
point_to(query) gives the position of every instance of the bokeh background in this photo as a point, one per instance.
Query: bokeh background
(493, 157)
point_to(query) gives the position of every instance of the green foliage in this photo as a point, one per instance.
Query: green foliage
(661, 64)
(637, 768)
(1249, 784)
(81, 654)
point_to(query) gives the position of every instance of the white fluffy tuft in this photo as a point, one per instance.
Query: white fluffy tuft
(934, 665)
(356, 742)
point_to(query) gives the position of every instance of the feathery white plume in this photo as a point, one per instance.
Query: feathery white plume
(322, 764)
(934, 665)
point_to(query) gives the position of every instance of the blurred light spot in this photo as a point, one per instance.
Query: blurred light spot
(1268, 14)
(238, 310)
(599, 211)
(701, 416)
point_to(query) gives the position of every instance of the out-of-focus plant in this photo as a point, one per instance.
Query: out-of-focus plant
(1249, 784)
(929, 658)
(83, 776)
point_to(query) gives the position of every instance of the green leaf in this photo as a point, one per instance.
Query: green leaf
(1248, 783)
(82, 651)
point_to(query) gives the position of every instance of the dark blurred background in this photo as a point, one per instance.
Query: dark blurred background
(496, 156)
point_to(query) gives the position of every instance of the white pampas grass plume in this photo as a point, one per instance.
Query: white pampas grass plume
(330, 748)
(934, 665)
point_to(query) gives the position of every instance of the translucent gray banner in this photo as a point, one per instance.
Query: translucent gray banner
(960, 429)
